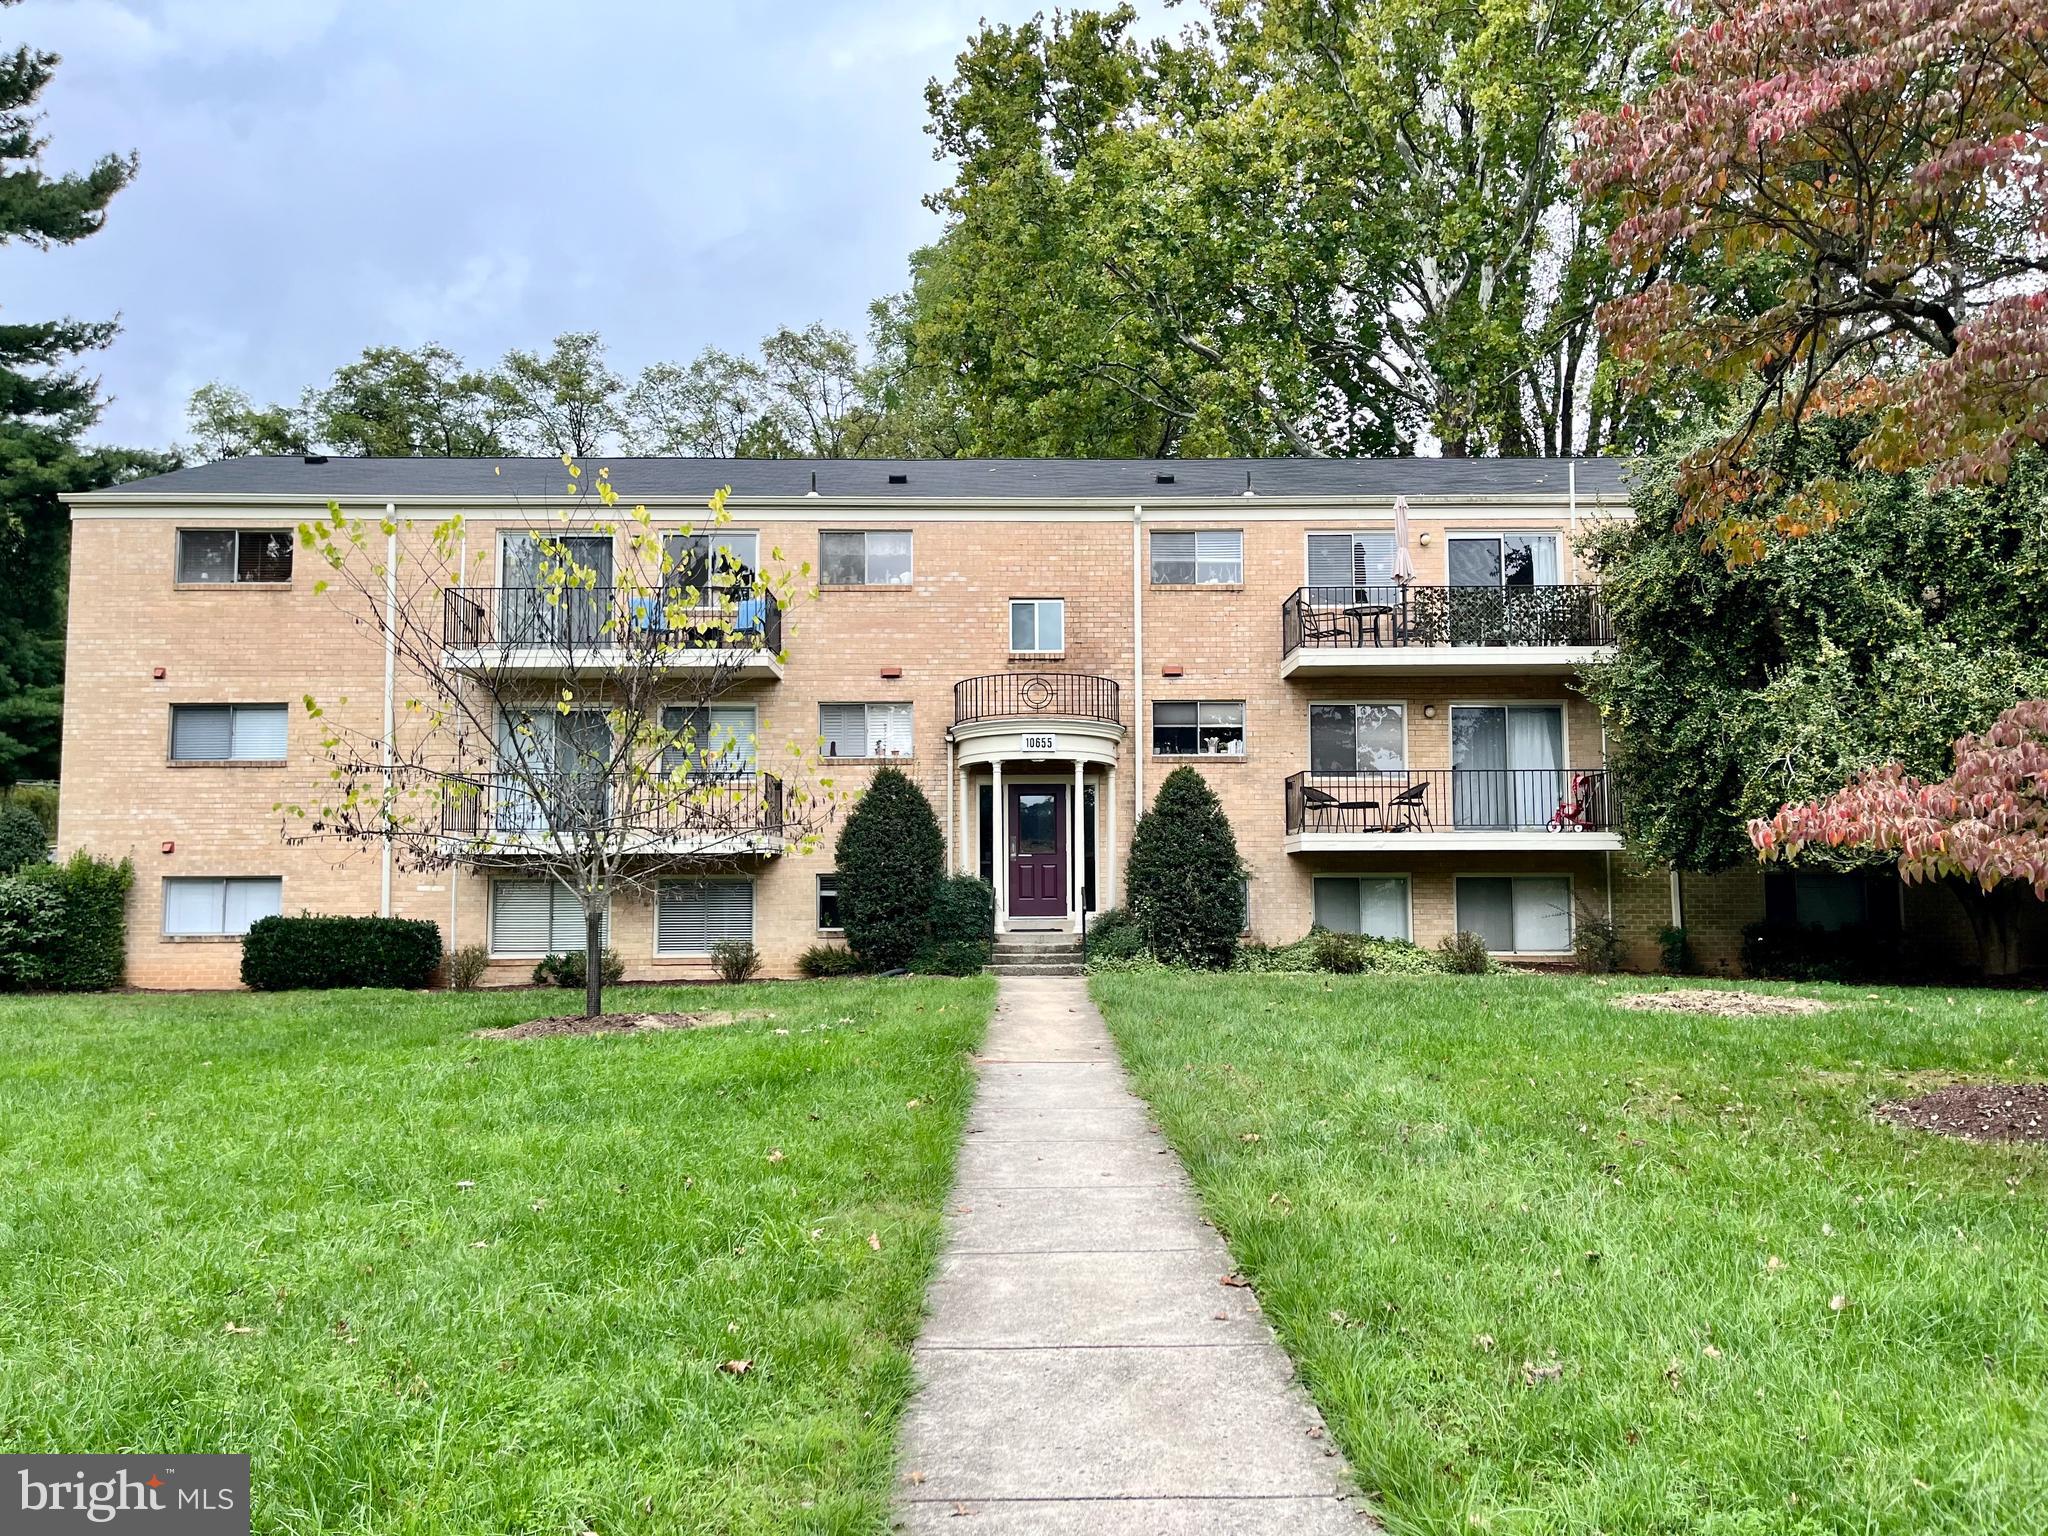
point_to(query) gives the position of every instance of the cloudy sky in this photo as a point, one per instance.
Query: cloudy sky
(320, 175)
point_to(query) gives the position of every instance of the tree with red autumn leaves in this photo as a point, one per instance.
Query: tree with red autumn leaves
(1876, 173)
(1986, 823)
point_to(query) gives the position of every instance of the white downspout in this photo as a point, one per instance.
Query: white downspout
(1571, 503)
(390, 690)
(1137, 663)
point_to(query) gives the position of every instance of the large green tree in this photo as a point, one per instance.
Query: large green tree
(1916, 620)
(47, 401)
(1308, 226)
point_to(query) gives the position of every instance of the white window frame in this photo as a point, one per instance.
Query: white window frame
(1216, 556)
(719, 542)
(753, 914)
(1571, 904)
(1564, 723)
(171, 747)
(223, 881)
(1308, 732)
(869, 734)
(818, 900)
(866, 559)
(1407, 893)
(1358, 581)
(1243, 727)
(491, 919)
(1037, 605)
(179, 578)
(738, 753)
(1498, 537)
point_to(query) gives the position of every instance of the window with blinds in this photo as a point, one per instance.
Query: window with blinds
(538, 917)
(227, 733)
(231, 556)
(718, 741)
(1203, 558)
(220, 907)
(1345, 568)
(692, 915)
(865, 730)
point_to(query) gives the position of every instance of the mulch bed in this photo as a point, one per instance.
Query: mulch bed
(1736, 1005)
(611, 1024)
(1976, 1111)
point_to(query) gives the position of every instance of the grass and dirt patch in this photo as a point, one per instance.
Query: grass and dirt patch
(649, 1281)
(1550, 1265)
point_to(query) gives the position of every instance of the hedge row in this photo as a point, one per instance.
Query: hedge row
(63, 926)
(283, 954)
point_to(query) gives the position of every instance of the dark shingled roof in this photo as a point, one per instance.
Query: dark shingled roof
(1135, 480)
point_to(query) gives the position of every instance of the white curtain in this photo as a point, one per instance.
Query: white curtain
(1479, 754)
(1543, 916)
(1535, 749)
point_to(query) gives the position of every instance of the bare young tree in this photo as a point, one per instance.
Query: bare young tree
(557, 718)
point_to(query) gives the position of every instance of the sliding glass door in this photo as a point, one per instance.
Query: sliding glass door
(1500, 585)
(1507, 765)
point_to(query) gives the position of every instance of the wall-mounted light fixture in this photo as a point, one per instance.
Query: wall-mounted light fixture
(1429, 711)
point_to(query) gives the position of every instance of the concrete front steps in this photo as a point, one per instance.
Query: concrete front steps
(1036, 954)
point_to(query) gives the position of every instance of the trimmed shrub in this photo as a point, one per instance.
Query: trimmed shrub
(1114, 935)
(22, 839)
(735, 960)
(1464, 954)
(963, 908)
(90, 952)
(466, 967)
(1185, 876)
(287, 954)
(1674, 950)
(1340, 954)
(1596, 945)
(951, 957)
(41, 799)
(31, 927)
(890, 857)
(566, 970)
(823, 960)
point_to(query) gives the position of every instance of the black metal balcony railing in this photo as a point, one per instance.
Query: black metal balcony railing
(510, 807)
(1561, 800)
(586, 618)
(1363, 617)
(1003, 694)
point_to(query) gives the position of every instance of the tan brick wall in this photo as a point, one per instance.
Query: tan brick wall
(250, 645)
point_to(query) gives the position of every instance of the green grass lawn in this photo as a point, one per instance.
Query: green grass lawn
(1549, 1266)
(439, 1284)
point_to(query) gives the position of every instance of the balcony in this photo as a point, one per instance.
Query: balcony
(532, 631)
(506, 816)
(1558, 810)
(1375, 630)
(1037, 695)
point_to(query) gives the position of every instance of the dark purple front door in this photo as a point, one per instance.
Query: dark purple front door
(1038, 850)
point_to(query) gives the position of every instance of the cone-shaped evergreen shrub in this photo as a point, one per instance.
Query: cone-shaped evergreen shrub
(1185, 890)
(891, 856)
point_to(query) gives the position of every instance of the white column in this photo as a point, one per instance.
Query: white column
(966, 844)
(1105, 882)
(1074, 851)
(999, 862)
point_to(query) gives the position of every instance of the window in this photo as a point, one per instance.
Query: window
(1357, 738)
(865, 730)
(717, 741)
(557, 588)
(692, 915)
(1348, 568)
(227, 733)
(1192, 728)
(223, 907)
(1203, 559)
(689, 562)
(828, 903)
(1374, 905)
(1244, 905)
(538, 917)
(1502, 560)
(864, 559)
(1525, 914)
(234, 556)
(1507, 765)
(1038, 624)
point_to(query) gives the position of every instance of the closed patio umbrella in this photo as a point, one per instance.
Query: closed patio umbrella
(1404, 568)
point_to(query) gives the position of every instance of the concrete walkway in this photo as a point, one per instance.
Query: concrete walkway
(1083, 1368)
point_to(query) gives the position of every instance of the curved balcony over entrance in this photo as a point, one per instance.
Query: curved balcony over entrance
(1031, 695)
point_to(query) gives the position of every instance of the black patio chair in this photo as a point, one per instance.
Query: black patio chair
(1322, 803)
(1409, 810)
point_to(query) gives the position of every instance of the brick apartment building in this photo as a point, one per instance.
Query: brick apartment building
(1399, 743)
